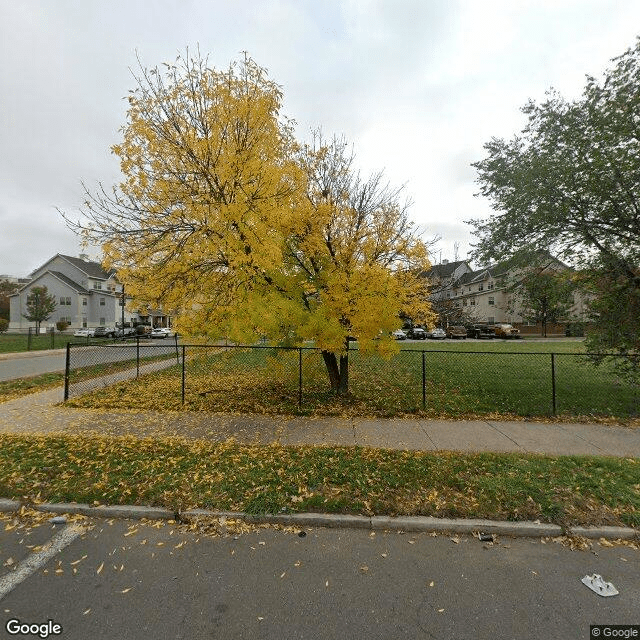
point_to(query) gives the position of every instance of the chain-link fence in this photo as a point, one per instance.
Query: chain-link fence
(283, 380)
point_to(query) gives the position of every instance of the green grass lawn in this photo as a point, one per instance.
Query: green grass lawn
(498, 378)
(181, 474)
(18, 342)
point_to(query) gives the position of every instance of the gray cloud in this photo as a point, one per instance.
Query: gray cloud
(418, 87)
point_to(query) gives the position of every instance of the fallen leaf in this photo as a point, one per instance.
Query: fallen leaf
(99, 569)
(126, 590)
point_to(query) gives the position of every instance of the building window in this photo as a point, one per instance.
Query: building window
(62, 300)
(65, 319)
(102, 322)
(473, 302)
(481, 287)
(464, 303)
(491, 300)
(490, 286)
(102, 302)
(491, 320)
(68, 301)
(84, 302)
(65, 301)
(97, 285)
(84, 321)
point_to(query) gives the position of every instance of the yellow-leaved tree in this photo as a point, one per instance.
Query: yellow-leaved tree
(224, 219)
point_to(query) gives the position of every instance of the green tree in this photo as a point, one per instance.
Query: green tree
(40, 305)
(569, 184)
(225, 218)
(544, 296)
(4, 325)
(6, 290)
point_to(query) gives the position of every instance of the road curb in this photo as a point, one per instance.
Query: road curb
(413, 524)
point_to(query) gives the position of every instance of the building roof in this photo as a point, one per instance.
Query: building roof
(70, 282)
(444, 270)
(91, 268)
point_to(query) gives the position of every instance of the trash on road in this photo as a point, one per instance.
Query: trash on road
(597, 584)
(58, 520)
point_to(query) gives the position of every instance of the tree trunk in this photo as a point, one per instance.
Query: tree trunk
(338, 371)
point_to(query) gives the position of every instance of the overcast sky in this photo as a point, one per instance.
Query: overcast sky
(417, 86)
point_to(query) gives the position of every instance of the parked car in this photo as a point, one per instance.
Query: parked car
(83, 333)
(417, 333)
(399, 334)
(126, 332)
(104, 332)
(438, 334)
(161, 332)
(480, 330)
(457, 332)
(504, 330)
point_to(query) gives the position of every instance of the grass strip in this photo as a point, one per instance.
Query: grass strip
(180, 474)
(10, 389)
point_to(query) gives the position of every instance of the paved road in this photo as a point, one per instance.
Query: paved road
(130, 581)
(33, 363)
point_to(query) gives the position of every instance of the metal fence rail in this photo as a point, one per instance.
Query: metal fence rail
(231, 377)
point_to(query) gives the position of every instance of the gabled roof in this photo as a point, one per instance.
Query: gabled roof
(60, 276)
(90, 268)
(70, 282)
(444, 270)
(491, 271)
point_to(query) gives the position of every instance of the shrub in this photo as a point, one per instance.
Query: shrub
(4, 325)
(61, 325)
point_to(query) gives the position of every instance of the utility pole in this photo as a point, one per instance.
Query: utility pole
(122, 303)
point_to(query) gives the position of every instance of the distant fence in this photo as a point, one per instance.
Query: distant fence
(258, 378)
(31, 340)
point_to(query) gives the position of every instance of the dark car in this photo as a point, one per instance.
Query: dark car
(104, 332)
(481, 331)
(417, 333)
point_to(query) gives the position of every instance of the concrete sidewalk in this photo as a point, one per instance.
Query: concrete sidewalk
(38, 413)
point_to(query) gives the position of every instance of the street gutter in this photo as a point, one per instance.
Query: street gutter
(414, 524)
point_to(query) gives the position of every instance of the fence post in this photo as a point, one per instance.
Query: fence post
(137, 357)
(175, 335)
(29, 340)
(299, 377)
(67, 364)
(553, 382)
(424, 383)
(53, 337)
(184, 349)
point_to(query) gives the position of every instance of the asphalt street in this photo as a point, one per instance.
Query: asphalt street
(132, 580)
(31, 364)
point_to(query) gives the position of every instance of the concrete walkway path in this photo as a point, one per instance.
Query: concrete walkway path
(40, 413)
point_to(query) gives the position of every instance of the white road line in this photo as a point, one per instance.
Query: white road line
(37, 559)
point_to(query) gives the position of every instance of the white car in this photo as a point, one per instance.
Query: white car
(438, 334)
(161, 332)
(83, 333)
(399, 334)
